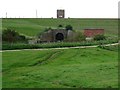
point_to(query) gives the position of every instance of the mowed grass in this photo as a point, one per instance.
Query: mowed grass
(32, 26)
(68, 68)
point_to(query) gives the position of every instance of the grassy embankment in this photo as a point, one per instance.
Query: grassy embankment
(32, 27)
(81, 68)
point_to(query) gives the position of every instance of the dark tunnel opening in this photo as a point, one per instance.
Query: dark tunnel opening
(59, 37)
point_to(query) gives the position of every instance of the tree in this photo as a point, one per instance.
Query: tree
(69, 27)
(11, 36)
(99, 37)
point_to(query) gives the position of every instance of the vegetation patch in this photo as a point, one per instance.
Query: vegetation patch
(45, 60)
(14, 46)
(70, 68)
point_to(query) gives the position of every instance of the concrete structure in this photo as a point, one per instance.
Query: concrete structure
(93, 32)
(60, 13)
(32, 41)
(54, 35)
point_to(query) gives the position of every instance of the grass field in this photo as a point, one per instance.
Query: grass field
(32, 27)
(81, 68)
(70, 68)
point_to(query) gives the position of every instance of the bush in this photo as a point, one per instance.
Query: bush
(60, 25)
(75, 36)
(80, 37)
(12, 36)
(69, 27)
(99, 37)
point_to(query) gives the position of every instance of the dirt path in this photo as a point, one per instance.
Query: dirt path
(61, 48)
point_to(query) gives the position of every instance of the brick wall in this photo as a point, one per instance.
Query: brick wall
(93, 32)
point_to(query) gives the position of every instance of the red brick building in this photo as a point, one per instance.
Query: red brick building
(93, 32)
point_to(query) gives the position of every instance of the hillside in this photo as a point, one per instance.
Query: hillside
(81, 68)
(32, 27)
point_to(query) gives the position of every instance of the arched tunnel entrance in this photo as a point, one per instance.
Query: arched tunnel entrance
(59, 37)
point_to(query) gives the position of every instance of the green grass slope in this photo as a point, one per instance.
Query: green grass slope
(71, 68)
(31, 27)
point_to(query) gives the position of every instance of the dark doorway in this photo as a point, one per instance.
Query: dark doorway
(59, 37)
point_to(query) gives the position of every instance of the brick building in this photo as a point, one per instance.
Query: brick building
(93, 32)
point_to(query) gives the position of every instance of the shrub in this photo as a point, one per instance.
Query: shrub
(12, 36)
(69, 27)
(60, 25)
(99, 37)
(79, 36)
(75, 36)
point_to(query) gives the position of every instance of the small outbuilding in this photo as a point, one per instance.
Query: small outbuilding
(93, 32)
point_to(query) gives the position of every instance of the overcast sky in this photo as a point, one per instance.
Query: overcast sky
(47, 8)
